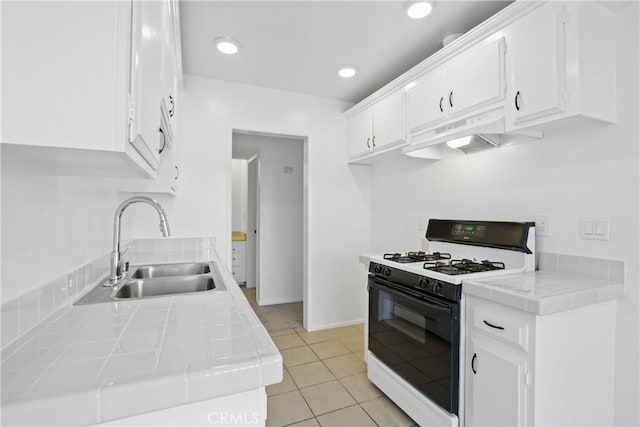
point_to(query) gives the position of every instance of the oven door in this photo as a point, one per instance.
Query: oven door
(418, 338)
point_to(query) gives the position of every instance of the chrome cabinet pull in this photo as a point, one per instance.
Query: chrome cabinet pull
(373, 141)
(440, 104)
(164, 141)
(473, 362)
(515, 100)
(368, 144)
(451, 99)
(177, 172)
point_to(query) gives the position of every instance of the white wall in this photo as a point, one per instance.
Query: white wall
(339, 195)
(239, 195)
(280, 225)
(589, 170)
(51, 224)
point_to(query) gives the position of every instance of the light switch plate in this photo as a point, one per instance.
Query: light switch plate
(592, 228)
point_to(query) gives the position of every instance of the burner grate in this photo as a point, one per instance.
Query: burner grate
(463, 266)
(420, 256)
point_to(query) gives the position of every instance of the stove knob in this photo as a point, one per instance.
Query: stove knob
(386, 272)
(436, 287)
(377, 269)
(424, 283)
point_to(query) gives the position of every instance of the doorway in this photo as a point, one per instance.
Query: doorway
(268, 217)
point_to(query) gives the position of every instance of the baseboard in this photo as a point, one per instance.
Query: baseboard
(278, 301)
(334, 325)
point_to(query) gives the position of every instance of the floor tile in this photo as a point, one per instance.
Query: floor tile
(287, 408)
(343, 366)
(282, 332)
(284, 342)
(353, 416)
(360, 387)
(359, 327)
(306, 423)
(360, 356)
(354, 343)
(286, 385)
(327, 397)
(327, 349)
(311, 374)
(385, 413)
(298, 356)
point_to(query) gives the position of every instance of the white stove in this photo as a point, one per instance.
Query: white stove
(414, 322)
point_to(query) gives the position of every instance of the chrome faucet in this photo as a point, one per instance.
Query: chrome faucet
(117, 271)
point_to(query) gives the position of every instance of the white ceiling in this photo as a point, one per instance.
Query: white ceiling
(298, 45)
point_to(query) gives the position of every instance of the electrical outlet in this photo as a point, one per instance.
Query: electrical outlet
(543, 225)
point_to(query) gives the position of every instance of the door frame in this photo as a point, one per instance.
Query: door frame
(305, 137)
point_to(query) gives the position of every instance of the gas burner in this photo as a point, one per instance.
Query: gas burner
(463, 266)
(419, 256)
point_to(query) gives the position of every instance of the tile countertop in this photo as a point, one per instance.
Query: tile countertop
(94, 363)
(543, 292)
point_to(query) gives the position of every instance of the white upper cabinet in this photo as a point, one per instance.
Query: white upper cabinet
(476, 78)
(87, 79)
(359, 133)
(536, 64)
(464, 85)
(560, 63)
(427, 100)
(377, 128)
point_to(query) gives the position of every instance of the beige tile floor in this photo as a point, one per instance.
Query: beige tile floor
(325, 379)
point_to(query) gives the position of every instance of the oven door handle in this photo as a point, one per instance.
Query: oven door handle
(435, 307)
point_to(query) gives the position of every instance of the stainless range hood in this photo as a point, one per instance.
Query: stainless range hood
(465, 136)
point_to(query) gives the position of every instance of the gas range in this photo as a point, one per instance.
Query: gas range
(460, 250)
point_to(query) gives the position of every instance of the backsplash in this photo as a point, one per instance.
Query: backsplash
(596, 268)
(24, 313)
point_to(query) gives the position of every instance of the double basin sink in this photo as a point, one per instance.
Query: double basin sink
(145, 281)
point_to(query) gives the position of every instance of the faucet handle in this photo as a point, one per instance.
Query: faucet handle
(125, 267)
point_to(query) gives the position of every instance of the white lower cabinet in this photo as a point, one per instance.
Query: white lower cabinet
(239, 261)
(523, 369)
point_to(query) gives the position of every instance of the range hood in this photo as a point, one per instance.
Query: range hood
(465, 136)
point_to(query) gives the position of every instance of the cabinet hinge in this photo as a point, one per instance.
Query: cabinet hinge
(132, 110)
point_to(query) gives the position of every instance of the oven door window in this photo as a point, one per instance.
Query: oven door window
(415, 339)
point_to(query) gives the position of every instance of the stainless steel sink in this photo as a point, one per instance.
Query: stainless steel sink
(156, 280)
(141, 288)
(167, 270)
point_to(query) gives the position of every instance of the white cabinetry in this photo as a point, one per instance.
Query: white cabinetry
(84, 79)
(239, 261)
(465, 84)
(377, 128)
(560, 63)
(525, 370)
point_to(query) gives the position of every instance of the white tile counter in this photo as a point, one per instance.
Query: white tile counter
(95, 363)
(542, 292)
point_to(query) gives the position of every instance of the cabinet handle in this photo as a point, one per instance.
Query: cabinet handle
(368, 144)
(515, 100)
(451, 99)
(373, 141)
(164, 141)
(493, 326)
(473, 363)
(172, 106)
(440, 104)
(177, 172)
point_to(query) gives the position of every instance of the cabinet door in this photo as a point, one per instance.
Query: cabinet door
(476, 78)
(496, 391)
(426, 101)
(389, 121)
(360, 133)
(536, 64)
(146, 78)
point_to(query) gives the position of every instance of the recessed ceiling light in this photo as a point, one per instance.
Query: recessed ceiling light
(347, 71)
(227, 45)
(419, 9)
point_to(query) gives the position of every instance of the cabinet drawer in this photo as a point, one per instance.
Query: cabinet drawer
(501, 322)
